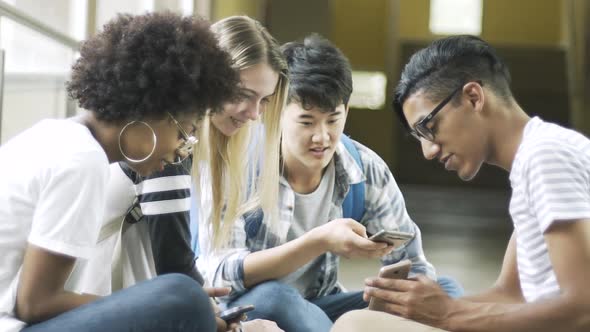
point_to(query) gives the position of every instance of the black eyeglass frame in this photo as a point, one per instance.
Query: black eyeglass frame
(421, 130)
(189, 141)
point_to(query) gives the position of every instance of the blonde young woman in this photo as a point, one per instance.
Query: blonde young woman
(234, 145)
(160, 243)
(237, 139)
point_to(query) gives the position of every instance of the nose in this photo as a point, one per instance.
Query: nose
(253, 112)
(320, 135)
(429, 149)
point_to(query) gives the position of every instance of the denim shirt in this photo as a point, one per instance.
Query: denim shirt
(384, 209)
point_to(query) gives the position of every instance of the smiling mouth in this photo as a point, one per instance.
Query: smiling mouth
(318, 150)
(445, 161)
(237, 123)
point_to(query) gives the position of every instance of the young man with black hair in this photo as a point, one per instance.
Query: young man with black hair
(289, 270)
(454, 96)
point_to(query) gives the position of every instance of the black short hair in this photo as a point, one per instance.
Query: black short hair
(448, 63)
(144, 66)
(319, 74)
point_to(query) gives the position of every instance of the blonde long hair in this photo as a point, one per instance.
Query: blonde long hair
(235, 162)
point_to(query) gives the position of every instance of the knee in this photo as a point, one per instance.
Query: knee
(181, 294)
(274, 296)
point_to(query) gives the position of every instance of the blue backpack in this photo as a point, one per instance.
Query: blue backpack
(353, 205)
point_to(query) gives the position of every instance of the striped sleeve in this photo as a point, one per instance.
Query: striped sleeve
(557, 183)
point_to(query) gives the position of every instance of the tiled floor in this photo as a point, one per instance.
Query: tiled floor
(465, 232)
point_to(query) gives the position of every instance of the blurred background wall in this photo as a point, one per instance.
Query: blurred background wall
(545, 43)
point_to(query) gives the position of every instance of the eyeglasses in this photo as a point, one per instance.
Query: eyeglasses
(186, 149)
(421, 130)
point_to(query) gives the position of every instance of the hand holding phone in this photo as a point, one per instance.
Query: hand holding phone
(235, 312)
(394, 238)
(399, 270)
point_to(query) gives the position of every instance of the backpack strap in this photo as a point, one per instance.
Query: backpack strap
(353, 205)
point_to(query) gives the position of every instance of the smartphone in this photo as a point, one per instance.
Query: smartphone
(394, 238)
(235, 312)
(399, 270)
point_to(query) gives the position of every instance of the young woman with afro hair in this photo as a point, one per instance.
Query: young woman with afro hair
(146, 82)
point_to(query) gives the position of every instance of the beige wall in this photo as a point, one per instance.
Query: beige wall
(378, 34)
(510, 22)
(360, 30)
(225, 8)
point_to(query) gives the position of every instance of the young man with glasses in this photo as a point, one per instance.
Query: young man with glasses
(455, 97)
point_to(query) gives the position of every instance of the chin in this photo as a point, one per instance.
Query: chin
(229, 130)
(467, 174)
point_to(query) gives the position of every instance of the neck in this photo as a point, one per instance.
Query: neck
(508, 127)
(301, 179)
(105, 134)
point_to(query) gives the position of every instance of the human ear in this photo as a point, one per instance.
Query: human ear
(475, 95)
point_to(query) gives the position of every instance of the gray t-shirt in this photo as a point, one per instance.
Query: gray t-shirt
(310, 211)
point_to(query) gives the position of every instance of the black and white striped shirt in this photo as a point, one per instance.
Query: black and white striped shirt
(550, 181)
(164, 198)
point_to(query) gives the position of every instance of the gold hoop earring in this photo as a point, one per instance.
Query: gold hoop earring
(153, 138)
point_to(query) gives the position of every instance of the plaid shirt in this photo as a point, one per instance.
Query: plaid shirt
(384, 209)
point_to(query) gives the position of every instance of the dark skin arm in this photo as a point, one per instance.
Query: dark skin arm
(568, 244)
(41, 295)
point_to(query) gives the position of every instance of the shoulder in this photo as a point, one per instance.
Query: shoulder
(544, 141)
(374, 167)
(367, 156)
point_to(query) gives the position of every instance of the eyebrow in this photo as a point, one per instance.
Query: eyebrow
(305, 116)
(309, 116)
(253, 93)
(249, 92)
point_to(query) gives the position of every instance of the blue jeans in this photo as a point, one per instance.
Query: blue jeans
(172, 302)
(284, 305)
(451, 286)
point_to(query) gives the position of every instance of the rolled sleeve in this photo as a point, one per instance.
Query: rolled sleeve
(231, 273)
(225, 267)
(386, 209)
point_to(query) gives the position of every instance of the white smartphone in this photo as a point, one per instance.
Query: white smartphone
(399, 270)
(394, 238)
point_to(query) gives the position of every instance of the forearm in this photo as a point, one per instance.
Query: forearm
(496, 294)
(558, 314)
(47, 307)
(277, 262)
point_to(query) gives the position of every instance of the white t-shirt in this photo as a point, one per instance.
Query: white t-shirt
(310, 211)
(550, 181)
(53, 178)
(93, 275)
(160, 196)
